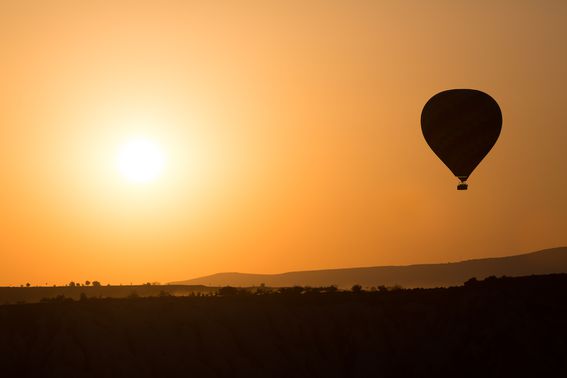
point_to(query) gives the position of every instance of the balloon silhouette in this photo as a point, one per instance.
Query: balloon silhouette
(461, 126)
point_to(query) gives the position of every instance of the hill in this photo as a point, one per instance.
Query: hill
(424, 275)
(507, 327)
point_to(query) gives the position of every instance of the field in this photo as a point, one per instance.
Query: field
(21, 295)
(496, 327)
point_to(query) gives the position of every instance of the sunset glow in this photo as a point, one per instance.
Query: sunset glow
(164, 140)
(283, 188)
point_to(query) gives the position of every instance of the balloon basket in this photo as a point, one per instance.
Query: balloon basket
(463, 186)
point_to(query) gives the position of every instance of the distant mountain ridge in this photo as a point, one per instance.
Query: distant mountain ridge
(547, 261)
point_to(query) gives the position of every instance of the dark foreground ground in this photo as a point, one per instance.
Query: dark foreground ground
(509, 327)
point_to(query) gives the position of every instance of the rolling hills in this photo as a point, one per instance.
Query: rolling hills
(546, 261)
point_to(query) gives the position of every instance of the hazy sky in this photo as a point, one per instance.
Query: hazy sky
(290, 129)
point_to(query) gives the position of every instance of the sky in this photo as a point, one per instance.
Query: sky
(290, 133)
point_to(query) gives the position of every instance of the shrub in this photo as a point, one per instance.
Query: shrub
(295, 290)
(331, 289)
(356, 288)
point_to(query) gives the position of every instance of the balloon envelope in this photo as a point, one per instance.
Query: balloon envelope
(461, 126)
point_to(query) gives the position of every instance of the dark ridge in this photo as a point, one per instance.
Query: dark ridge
(547, 261)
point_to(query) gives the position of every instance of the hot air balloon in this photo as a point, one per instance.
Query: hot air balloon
(461, 126)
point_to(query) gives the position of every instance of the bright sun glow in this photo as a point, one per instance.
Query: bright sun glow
(140, 160)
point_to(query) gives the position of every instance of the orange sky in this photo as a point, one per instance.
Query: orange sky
(292, 134)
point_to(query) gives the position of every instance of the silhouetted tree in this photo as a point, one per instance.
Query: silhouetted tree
(331, 289)
(356, 288)
(28, 284)
(72, 284)
(87, 283)
(490, 279)
(96, 284)
(471, 281)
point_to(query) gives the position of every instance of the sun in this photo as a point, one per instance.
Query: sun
(140, 160)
